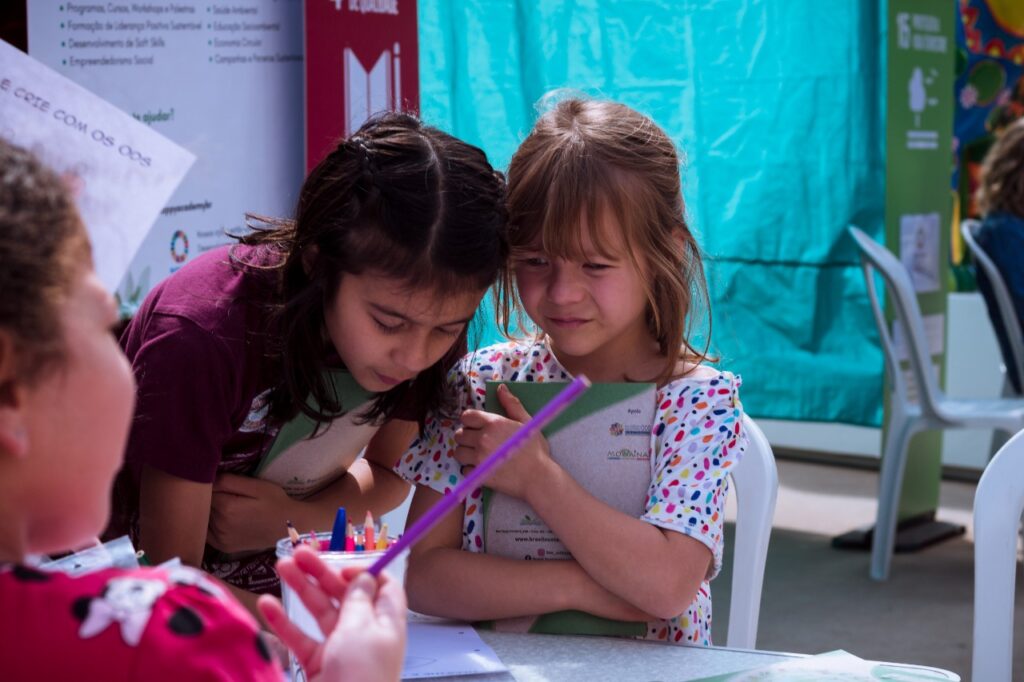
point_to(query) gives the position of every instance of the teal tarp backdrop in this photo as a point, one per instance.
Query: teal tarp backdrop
(777, 106)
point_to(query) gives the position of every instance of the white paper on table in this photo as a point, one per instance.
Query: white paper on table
(438, 649)
(121, 171)
(834, 666)
(434, 648)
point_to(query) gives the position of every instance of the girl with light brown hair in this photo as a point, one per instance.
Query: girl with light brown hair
(610, 278)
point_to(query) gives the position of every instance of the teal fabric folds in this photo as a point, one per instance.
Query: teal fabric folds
(777, 107)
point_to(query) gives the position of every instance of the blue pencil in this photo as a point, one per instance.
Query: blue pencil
(338, 532)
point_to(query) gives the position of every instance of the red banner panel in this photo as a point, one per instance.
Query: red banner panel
(362, 57)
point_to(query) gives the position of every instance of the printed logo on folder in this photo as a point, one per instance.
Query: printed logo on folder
(603, 441)
(303, 466)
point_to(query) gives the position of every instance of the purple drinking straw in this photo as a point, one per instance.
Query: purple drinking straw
(476, 477)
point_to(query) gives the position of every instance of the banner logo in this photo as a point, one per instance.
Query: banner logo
(179, 246)
(368, 91)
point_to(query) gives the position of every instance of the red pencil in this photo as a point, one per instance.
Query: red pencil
(350, 540)
(368, 530)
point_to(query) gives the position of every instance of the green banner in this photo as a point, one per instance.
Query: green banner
(918, 201)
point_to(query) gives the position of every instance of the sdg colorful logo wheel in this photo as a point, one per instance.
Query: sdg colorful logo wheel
(179, 246)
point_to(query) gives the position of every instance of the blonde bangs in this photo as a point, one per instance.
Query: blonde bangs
(556, 202)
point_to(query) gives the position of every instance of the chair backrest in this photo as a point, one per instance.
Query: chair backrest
(1004, 302)
(876, 257)
(998, 504)
(756, 486)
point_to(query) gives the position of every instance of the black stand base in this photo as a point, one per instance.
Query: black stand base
(912, 534)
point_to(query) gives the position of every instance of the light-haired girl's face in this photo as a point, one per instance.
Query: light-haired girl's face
(77, 419)
(591, 307)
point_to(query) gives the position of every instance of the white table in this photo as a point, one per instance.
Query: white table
(560, 658)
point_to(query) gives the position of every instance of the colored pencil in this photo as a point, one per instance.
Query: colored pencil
(338, 532)
(368, 530)
(350, 540)
(293, 534)
(479, 474)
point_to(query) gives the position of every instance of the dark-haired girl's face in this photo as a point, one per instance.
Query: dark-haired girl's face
(386, 334)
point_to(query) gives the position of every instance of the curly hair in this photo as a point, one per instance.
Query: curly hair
(43, 248)
(1002, 174)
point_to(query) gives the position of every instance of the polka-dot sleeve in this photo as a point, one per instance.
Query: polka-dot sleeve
(428, 461)
(696, 437)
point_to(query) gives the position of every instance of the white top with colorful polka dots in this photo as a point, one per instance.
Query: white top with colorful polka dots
(695, 438)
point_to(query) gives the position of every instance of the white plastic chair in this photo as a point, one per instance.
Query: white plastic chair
(1004, 304)
(756, 486)
(933, 410)
(998, 504)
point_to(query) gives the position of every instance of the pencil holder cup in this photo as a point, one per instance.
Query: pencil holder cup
(294, 607)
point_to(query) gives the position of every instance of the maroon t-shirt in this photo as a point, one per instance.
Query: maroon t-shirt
(198, 349)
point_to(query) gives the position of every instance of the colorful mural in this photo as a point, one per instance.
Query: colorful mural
(989, 87)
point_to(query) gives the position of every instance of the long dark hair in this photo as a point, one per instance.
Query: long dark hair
(399, 199)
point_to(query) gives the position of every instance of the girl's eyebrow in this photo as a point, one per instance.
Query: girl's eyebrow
(390, 312)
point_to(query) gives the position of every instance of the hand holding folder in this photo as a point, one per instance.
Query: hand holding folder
(483, 432)
(603, 442)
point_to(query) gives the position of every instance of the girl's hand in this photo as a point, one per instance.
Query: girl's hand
(483, 432)
(247, 513)
(363, 620)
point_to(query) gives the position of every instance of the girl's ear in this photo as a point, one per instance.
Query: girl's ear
(13, 434)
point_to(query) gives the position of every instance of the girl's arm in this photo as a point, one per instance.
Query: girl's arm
(173, 516)
(443, 580)
(658, 571)
(370, 483)
(250, 513)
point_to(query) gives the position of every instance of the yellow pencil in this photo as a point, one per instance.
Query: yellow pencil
(382, 537)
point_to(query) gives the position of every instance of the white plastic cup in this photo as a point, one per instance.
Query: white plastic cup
(294, 607)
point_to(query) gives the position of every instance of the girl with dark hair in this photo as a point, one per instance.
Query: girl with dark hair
(66, 396)
(310, 339)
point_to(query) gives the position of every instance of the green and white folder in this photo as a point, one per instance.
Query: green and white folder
(603, 441)
(303, 466)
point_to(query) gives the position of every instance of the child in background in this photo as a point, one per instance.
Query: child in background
(608, 271)
(1001, 201)
(399, 232)
(66, 396)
